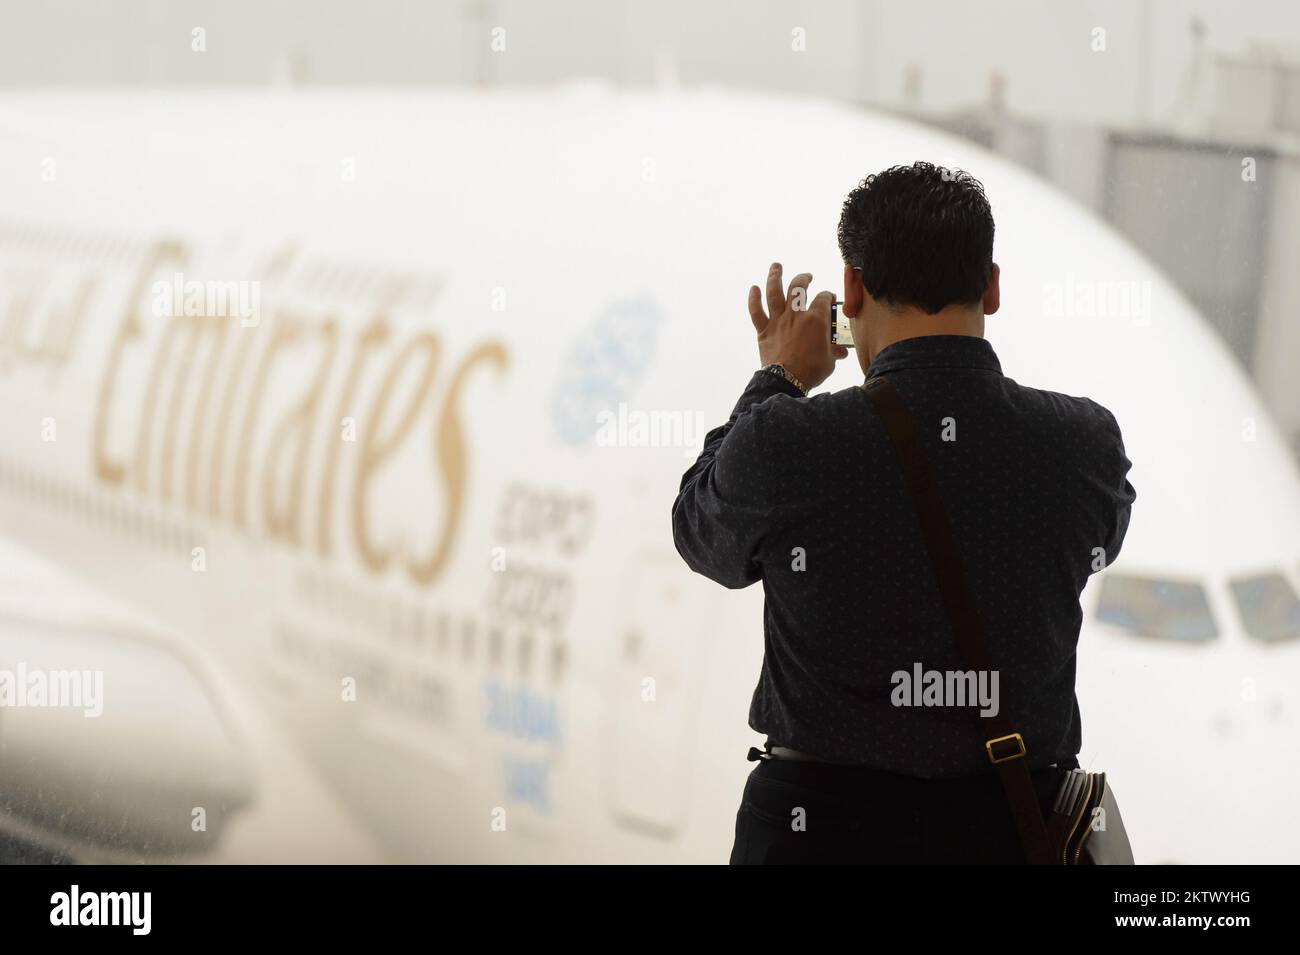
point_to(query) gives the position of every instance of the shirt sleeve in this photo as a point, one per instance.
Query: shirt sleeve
(1121, 492)
(726, 504)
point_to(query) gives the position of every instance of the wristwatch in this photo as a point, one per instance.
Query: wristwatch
(778, 369)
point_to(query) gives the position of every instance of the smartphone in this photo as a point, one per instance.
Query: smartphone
(841, 333)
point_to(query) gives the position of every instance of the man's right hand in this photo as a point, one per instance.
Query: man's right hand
(797, 334)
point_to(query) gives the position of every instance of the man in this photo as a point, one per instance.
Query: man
(807, 495)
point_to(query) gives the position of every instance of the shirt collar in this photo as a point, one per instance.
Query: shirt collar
(936, 351)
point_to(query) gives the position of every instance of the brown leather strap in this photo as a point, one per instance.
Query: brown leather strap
(1005, 747)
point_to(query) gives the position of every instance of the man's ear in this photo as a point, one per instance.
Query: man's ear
(992, 292)
(854, 293)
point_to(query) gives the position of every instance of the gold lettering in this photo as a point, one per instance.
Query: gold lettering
(248, 337)
(65, 322)
(107, 470)
(374, 335)
(206, 390)
(293, 436)
(376, 447)
(452, 460)
(286, 331)
(213, 328)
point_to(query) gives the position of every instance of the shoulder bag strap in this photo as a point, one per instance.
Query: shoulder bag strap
(1005, 747)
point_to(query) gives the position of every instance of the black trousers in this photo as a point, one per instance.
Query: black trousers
(799, 812)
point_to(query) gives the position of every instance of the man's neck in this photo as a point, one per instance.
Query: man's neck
(895, 326)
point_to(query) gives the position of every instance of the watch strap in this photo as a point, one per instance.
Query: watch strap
(777, 368)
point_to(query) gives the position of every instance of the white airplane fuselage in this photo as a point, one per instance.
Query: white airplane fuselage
(379, 404)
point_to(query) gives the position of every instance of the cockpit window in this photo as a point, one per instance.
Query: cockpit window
(1268, 606)
(1152, 607)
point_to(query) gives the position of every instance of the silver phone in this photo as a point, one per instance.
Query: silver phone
(841, 332)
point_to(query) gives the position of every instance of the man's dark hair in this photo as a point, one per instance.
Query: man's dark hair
(922, 236)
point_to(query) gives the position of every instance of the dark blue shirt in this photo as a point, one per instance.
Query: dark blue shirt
(806, 495)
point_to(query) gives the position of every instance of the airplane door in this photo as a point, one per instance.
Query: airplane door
(654, 695)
